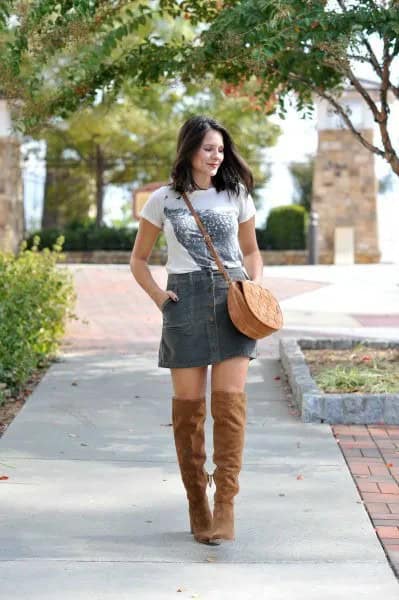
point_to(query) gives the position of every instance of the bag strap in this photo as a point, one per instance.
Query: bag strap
(208, 240)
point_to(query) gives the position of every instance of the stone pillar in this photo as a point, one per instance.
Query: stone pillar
(344, 184)
(345, 193)
(11, 194)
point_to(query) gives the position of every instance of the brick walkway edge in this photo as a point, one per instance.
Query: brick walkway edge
(372, 456)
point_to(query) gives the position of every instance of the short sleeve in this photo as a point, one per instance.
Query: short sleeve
(246, 206)
(153, 208)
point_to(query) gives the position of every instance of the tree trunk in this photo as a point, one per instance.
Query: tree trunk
(100, 166)
(50, 216)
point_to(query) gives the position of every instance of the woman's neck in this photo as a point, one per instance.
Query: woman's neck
(202, 183)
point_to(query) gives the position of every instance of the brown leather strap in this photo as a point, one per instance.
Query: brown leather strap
(208, 240)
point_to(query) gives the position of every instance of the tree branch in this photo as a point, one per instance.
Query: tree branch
(367, 98)
(340, 109)
(390, 154)
(373, 59)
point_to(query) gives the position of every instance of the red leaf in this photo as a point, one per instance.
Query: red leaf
(2, 477)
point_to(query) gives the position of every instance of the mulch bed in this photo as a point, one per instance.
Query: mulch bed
(362, 358)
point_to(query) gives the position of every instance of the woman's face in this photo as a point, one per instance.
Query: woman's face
(209, 155)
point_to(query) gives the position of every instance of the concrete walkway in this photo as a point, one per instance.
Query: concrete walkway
(94, 507)
(348, 300)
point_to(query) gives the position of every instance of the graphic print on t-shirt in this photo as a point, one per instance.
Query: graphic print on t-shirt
(220, 226)
(221, 214)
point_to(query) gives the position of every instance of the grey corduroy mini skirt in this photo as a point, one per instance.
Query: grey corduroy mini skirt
(197, 329)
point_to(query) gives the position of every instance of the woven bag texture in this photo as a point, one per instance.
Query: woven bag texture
(253, 309)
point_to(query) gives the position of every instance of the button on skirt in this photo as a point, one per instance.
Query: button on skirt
(197, 329)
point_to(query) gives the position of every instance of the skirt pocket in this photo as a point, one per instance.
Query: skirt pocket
(176, 315)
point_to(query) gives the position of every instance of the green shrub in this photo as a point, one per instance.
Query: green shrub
(286, 228)
(36, 298)
(82, 236)
(261, 238)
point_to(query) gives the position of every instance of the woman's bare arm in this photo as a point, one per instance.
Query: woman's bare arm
(249, 246)
(145, 239)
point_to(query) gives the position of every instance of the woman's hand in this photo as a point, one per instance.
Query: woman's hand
(258, 280)
(164, 298)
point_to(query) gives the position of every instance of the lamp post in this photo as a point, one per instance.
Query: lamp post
(313, 249)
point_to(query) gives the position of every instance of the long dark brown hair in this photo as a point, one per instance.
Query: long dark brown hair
(233, 170)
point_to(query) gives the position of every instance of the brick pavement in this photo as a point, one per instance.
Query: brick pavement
(378, 320)
(115, 313)
(372, 455)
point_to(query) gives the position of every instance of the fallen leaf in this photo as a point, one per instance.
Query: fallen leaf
(74, 383)
(277, 378)
(299, 476)
(389, 464)
(3, 477)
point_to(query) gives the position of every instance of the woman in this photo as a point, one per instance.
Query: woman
(197, 330)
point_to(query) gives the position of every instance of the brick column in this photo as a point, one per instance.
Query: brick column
(345, 193)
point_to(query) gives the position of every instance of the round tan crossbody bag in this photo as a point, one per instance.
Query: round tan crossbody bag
(252, 308)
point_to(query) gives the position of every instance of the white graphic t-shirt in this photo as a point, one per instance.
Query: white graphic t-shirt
(219, 212)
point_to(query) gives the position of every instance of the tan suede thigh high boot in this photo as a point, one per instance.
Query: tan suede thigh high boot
(188, 418)
(229, 414)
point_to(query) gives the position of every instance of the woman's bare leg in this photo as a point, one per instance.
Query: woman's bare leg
(189, 383)
(230, 375)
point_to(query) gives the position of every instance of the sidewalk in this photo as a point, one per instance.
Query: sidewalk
(94, 507)
(358, 300)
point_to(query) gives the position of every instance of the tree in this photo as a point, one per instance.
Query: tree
(82, 59)
(309, 47)
(57, 54)
(131, 141)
